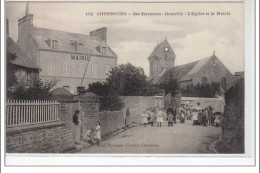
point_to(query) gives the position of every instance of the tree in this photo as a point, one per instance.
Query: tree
(128, 80)
(170, 84)
(124, 80)
(204, 90)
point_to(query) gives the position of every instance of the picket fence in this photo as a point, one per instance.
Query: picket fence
(28, 112)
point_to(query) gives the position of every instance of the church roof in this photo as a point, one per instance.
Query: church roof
(42, 38)
(183, 72)
(22, 59)
(158, 51)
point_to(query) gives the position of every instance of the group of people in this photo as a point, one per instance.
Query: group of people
(92, 135)
(154, 116)
(205, 116)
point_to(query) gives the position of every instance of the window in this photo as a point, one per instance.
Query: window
(107, 69)
(54, 44)
(103, 50)
(204, 81)
(81, 69)
(66, 68)
(94, 70)
(80, 47)
(224, 83)
(50, 67)
(67, 88)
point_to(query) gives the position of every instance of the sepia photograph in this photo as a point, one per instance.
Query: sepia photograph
(125, 78)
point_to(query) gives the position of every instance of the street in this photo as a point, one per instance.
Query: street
(181, 138)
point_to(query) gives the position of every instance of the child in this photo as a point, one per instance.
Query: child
(144, 118)
(182, 117)
(159, 117)
(217, 121)
(98, 133)
(204, 118)
(88, 137)
(195, 117)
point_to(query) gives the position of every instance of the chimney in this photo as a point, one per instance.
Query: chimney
(7, 27)
(24, 28)
(100, 33)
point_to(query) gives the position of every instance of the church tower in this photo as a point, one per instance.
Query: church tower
(161, 59)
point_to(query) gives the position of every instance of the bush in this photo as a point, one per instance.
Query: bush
(38, 90)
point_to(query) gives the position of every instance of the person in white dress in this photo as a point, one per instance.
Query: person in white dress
(159, 118)
(144, 118)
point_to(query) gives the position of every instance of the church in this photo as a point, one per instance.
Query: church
(73, 60)
(206, 70)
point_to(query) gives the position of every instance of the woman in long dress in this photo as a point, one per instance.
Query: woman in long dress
(127, 118)
(159, 118)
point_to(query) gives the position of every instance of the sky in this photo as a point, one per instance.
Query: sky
(133, 38)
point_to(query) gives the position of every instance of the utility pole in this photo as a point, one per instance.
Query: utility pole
(88, 59)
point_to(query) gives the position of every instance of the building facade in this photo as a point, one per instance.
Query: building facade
(203, 71)
(73, 60)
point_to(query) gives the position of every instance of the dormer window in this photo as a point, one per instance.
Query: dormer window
(54, 44)
(103, 50)
(80, 47)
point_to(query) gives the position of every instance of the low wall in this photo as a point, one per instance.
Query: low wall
(137, 104)
(217, 103)
(111, 121)
(42, 138)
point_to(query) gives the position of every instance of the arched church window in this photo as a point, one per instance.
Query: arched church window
(223, 83)
(204, 81)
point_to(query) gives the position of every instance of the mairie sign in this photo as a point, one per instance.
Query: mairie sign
(79, 57)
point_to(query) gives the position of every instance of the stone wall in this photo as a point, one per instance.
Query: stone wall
(233, 119)
(111, 121)
(56, 137)
(137, 104)
(47, 138)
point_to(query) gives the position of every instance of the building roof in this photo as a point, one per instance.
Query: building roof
(183, 72)
(91, 44)
(158, 51)
(22, 59)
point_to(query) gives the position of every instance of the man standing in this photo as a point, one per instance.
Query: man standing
(76, 122)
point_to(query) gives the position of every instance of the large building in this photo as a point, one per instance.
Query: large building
(67, 57)
(206, 70)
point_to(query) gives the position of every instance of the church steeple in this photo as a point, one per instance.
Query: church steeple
(161, 58)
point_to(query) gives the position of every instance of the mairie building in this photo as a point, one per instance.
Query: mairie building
(73, 60)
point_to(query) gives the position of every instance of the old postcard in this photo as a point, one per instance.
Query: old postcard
(160, 79)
